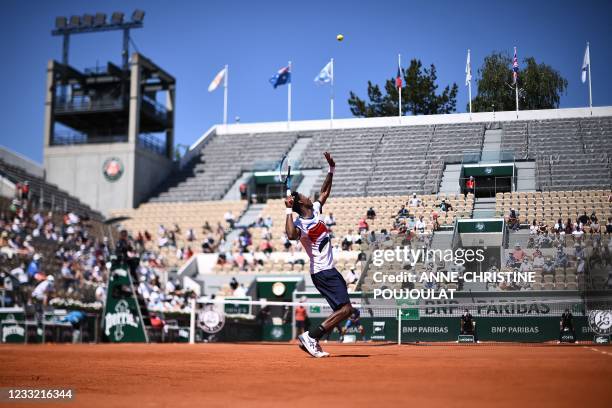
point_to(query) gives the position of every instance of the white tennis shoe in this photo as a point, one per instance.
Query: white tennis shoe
(312, 346)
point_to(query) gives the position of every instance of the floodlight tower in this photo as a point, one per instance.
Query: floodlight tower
(108, 138)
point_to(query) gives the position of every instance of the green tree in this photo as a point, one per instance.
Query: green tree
(419, 95)
(540, 85)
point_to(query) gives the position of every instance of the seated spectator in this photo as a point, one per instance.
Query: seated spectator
(329, 220)
(286, 242)
(233, 284)
(420, 225)
(371, 214)
(538, 261)
(561, 258)
(518, 253)
(266, 247)
(593, 218)
(578, 233)
(403, 212)
(569, 227)
(609, 225)
(542, 228)
(362, 225)
(347, 242)
(190, 236)
(268, 222)
(533, 228)
(559, 227)
(549, 266)
(372, 237)
(415, 201)
(583, 219)
(595, 227)
(444, 206)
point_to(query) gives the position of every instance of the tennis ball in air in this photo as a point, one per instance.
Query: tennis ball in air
(339, 37)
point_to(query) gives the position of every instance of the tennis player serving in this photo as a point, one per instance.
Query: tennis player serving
(314, 236)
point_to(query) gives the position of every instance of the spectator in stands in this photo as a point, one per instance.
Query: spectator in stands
(362, 225)
(569, 227)
(549, 266)
(34, 266)
(268, 222)
(444, 206)
(415, 201)
(347, 242)
(188, 253)
(244, 191)
(583, 220)
(25, 191)
(533, 228)
(206, 227)
(229, 219)
(372, 237)
(470, 185)
(233, 284)
(190, 236)
(240, 291)
(518, 253)
(538, 261)
(559, 227)
(403, 212)
(609, 225)
(329, 220)
(371, 214)
(561, 260)
(595, 228)
(266, 247)
(420, 225)
(542, 228)
(513, 222)
(577, 234)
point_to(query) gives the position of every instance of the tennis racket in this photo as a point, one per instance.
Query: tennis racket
(285, 174)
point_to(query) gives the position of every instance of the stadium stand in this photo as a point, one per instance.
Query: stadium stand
(44, 194)
(221, 162)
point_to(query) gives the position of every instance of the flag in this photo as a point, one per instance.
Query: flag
(326, 75)
(468, 70)
(217, 80)
(398, 77)
(585, 63)
(515, 67)
(282, 77)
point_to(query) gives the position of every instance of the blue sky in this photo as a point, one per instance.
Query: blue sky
(194, 39)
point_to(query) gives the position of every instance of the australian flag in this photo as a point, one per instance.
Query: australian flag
(282, 77)
(515, 67)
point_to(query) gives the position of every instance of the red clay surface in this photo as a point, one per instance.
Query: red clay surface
(280, 375)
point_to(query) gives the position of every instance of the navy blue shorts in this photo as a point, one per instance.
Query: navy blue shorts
(332, 286)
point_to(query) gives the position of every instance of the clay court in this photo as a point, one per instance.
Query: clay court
(173, 375)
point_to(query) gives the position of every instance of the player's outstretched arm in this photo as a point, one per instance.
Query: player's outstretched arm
(327, 184)
(290, 230)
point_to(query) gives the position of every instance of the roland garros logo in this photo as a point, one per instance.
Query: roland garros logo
(211, 320)
(112, 169)
(122, 317)
(600, 322)
(12, 330)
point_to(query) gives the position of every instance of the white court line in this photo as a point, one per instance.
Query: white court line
(598, 351)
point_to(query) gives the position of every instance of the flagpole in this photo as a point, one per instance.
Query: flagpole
(516, 88)
(590, 94)
(399, 91)
(225, 95)
(331, 101)
(289, 96)
(470, 82)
